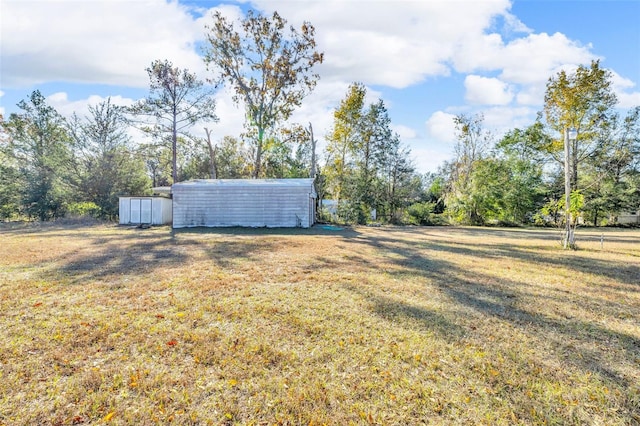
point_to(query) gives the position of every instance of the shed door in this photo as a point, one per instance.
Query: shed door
(135, 210)
(145, 210)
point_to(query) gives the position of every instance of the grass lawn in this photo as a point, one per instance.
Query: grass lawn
(390, 326)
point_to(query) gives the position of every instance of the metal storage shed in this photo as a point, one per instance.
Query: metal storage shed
(145, 210)
(244, 202)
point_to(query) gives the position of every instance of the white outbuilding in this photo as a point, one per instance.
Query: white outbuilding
(629, 218)
(244, 202)
(145, 210)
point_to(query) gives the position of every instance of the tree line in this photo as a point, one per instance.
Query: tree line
(51, 166)
(520, 177)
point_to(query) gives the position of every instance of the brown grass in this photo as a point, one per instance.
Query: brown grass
(104, 324)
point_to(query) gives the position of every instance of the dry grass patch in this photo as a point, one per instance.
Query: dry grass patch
(362, 326)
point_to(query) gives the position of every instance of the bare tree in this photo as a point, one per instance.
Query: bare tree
(177, 100)
(269, 68)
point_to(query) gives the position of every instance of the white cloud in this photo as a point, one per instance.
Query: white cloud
(389, 43)
(402, 44)
(405, 132)
(529, 60)
(66, 107)
(628, 100)
(535, 58)
(525, 63)
(107, 42)
(620, 83)
(231, 118)
(429, 159)
(441, 127)
(60, 101)
(438, 145)
(318, 107)
(384, 44)
(231, 125)
(513, 24)
(498, 120)
(487, 91)
(621, 87)
(532, 95)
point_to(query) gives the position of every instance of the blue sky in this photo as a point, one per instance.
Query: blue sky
(428, 60)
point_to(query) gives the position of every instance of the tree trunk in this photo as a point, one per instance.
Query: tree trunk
(574, 166)
(258, 162)
(313, 153)
(174, 147)
(338, 196)
(212, 155)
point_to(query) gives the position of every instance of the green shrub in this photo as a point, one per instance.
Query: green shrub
(83, 209)
(421, 213)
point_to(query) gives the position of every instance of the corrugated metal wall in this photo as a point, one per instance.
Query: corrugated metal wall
(253, 203)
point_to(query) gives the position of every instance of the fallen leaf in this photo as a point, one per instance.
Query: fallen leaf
(109, 416)
(172, 342)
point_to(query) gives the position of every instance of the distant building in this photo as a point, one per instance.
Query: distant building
(629, 218)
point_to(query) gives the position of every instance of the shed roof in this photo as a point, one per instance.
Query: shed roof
(247, 182)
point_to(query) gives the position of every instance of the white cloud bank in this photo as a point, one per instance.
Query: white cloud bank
(487, 91)
(441, 128)
(60, 101)
(395, 44)
(385, 44)
(105, 42)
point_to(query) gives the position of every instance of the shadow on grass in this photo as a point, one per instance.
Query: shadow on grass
(131, 251)
(625, 273)
(105, 257)
(137, 257)
(397, 311)
(414, 251)
(582, 235)
(35, 227)
(342, 231)
(582, 343)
